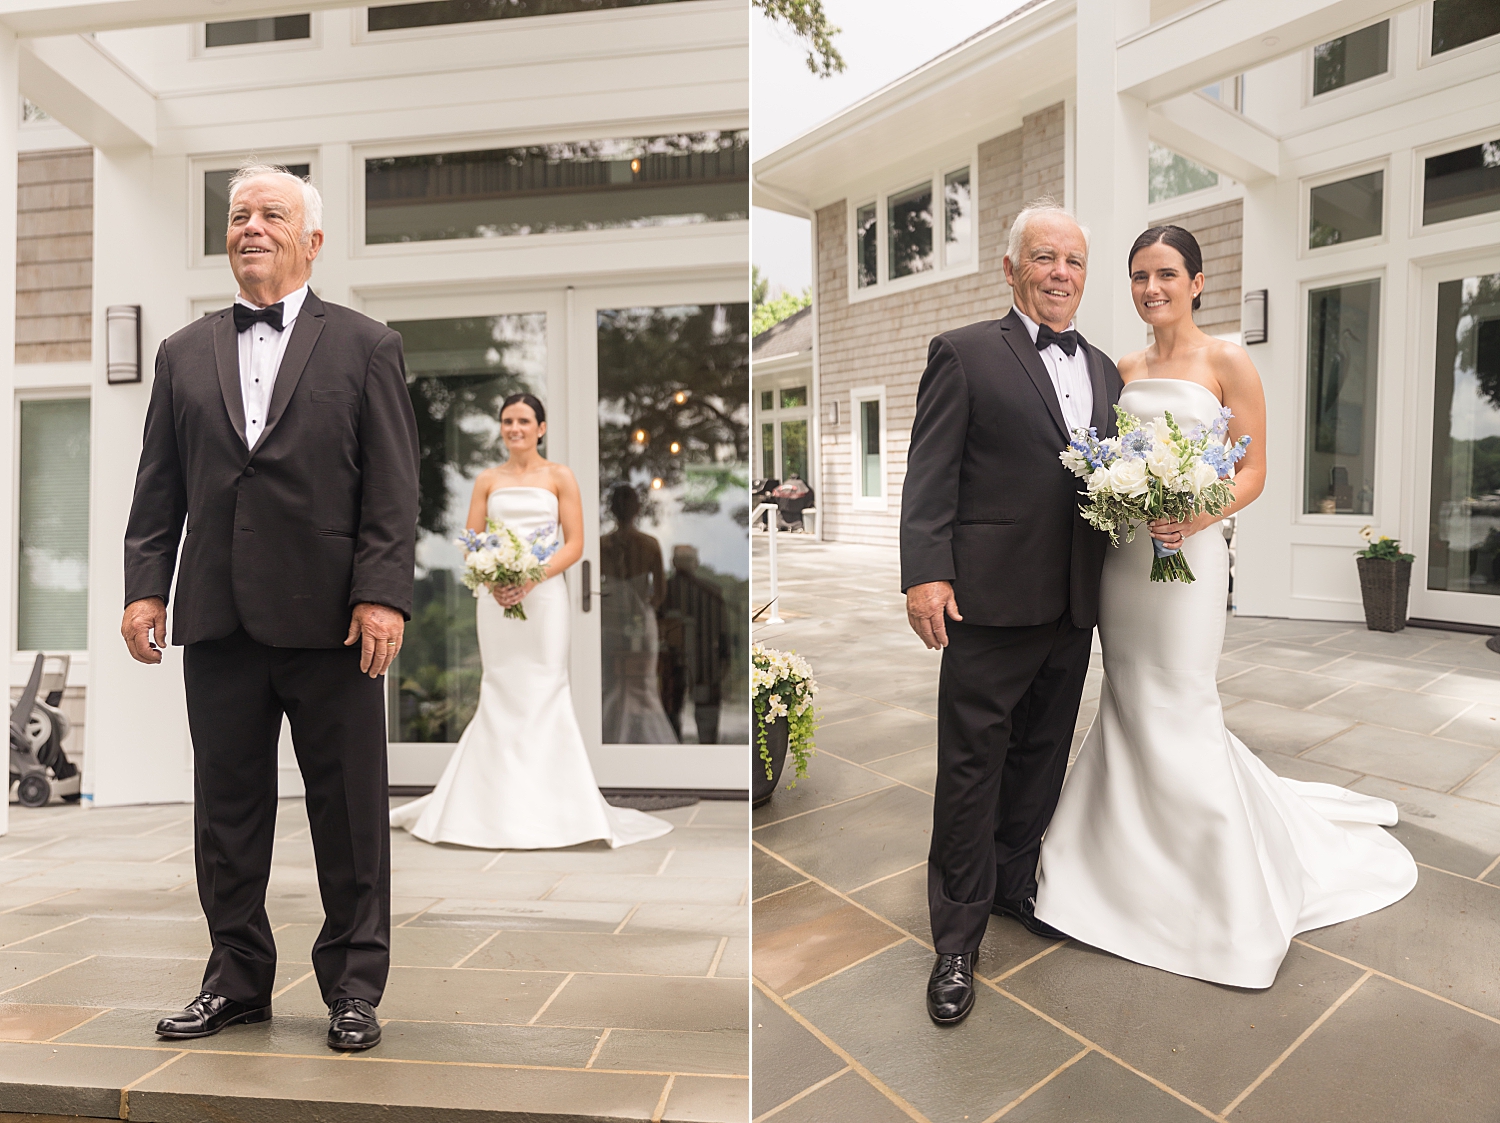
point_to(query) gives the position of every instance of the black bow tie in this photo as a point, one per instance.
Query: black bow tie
(1045, 337)
(245, 316)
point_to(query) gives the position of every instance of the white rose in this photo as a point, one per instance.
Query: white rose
(1128, 477)
(1162, 461)
(1202, 476)
(1098, 478)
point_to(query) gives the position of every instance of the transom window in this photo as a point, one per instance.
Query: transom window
(1457, 23)
(1461, 183)
(1346, 210)
(390, 17)
(926, 227)
(1351, 58)
(1173, 175)
(272, 29)
(546, 188)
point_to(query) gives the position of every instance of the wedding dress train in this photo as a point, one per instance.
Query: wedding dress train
(1172, 844)
(520, 778)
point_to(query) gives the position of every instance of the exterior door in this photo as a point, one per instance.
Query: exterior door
(1456, 576)
(660, 664)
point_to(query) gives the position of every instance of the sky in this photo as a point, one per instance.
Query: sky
(880, 41)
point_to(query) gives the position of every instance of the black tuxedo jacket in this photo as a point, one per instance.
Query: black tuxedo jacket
(987, 505)
(319, 516)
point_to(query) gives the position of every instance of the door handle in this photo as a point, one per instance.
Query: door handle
(588, 586)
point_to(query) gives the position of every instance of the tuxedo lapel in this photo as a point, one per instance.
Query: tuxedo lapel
(305, 331)
(1025, 351)
(227, 359)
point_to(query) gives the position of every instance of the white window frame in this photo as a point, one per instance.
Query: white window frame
(639, 235)
(36, 394)
(1419, 184)
(1382, 503)
(198, 165)
(565, 22)
(935, 173)
(774, 385)
(1308, 67)
(1305, 189)
(1425, 57)
(198, 47)
(1173, 204)
(858, 499)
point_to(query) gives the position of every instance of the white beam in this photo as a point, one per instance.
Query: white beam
(1220, 38)
(81, 86)
(1212, 134)
(35, 18)
(10, 118)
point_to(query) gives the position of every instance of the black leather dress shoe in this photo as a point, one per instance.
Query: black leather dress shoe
(950, 990)
(209, 1013)
(352, 1025)
(1025, 912)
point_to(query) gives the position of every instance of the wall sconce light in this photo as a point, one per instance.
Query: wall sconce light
(122, 343)
(1253, 321)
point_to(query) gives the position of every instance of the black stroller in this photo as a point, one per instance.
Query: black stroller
(38, 763)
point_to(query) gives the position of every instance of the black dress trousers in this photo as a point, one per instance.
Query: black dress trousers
(237, 691)
(1007, 706)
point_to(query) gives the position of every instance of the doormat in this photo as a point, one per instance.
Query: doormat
(650, 801)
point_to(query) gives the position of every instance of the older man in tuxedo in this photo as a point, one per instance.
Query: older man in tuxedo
(281, 433)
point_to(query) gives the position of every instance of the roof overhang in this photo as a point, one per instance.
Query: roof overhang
(980, 89)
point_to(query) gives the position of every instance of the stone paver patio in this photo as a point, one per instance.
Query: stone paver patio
(578, 984)
(1392, 1017)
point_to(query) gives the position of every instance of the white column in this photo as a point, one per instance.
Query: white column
(1111, 169)
(136, 719)
(10, 118)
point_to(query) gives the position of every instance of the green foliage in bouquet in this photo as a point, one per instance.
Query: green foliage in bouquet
(1385, 548)
(783, 686)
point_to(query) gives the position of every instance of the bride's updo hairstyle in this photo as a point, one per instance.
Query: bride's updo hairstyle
(1180, 240)
(534, 402)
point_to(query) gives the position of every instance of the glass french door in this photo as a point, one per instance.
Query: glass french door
(664, 375)
(1457, 542)
(646, 392)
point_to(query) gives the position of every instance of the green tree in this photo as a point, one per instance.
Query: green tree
(771, 312)
(809, 23)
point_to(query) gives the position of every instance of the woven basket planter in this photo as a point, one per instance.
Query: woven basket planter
(1384, 585)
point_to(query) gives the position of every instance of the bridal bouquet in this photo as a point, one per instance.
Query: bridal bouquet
(502, 557)
(1153, 470)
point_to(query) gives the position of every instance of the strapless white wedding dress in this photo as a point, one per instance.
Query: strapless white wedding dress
(1172, 844)
(520, 777)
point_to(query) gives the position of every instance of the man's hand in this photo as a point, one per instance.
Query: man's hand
(379, 630)
(143, 617)
(927, 605)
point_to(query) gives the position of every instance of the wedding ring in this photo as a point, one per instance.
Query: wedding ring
(390, 643)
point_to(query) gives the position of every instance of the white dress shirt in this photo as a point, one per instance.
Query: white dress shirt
(261, 348)
(1070, 378)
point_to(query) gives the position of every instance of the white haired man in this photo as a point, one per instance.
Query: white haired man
(281, 433)
(1002, 573)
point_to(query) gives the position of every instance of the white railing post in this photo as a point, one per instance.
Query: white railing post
(770, 511)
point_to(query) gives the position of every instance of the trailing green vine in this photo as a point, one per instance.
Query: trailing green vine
(784, 687)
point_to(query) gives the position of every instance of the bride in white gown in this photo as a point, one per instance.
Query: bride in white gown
(1172, 844)
(520, 777)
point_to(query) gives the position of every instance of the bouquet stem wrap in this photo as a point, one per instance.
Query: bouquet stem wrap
(1169, 564)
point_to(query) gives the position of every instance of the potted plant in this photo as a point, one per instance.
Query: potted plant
(1384, 581)
(785, 720)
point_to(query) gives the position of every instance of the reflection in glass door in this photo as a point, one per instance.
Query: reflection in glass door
(458, 372)
(673, 491)
(1463, 553)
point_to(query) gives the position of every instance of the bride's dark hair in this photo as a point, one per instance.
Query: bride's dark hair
(525, 399)
(1180, 240)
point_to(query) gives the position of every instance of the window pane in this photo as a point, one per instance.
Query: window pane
(458, 373)
(909, 232)
(1173, 175)
(1464, 534)
(1456, 23)
(869, 448)
(1343, 327)
(673, 564)
(794, 449)
(543, 188)
(793, 397)
(232, 33)
(216, 205)
(958, 217)
(1458, 184)
(1351, 58)
(392, 16)
(53, 577)
(768, 451)
(1347, 210)
(865, 236)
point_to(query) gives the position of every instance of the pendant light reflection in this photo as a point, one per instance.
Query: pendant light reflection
(656, 483)
(640, 437)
